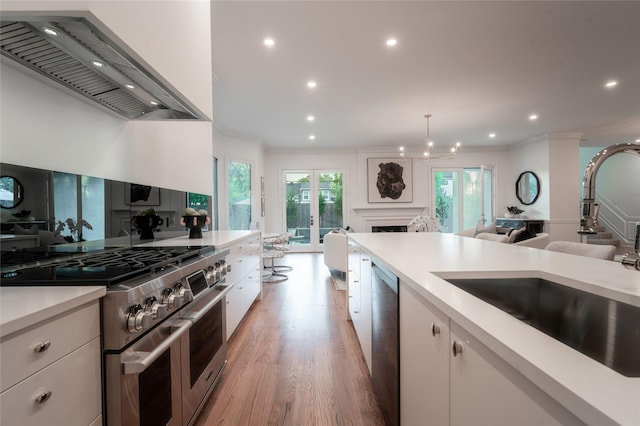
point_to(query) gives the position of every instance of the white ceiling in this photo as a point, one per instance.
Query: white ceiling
(477, 67)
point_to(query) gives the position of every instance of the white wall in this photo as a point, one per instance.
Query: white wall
(42, 126)
(353, 163)
(531, 156)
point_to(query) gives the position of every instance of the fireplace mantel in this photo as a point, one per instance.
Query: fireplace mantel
(388, 215)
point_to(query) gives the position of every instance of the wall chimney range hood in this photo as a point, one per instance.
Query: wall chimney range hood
(73, 52)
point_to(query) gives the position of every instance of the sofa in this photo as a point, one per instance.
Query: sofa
(540, 240)
(336, 251)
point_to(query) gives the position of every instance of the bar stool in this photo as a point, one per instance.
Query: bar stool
(274, 247)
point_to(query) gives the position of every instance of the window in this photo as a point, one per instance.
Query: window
(305, 195)
(462, 196)
(239, 175)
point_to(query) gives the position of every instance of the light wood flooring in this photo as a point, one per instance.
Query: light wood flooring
(295, 359)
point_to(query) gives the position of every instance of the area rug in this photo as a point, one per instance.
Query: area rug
(338, 279)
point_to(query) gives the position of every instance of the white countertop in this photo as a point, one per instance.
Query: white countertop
(22, 307)
(218, 239)
(593, 392)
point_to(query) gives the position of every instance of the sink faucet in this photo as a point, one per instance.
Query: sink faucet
(632, 259)
(590, 209)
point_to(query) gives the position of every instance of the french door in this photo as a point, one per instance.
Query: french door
(462, 196)
(313, 201)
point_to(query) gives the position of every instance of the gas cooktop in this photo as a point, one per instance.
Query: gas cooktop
(90, 265)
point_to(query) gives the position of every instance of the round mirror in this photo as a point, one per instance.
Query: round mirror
(527, 188)
(11, 192)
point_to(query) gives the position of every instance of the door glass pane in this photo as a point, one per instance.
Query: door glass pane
(93, 211)
(472, 194)
(447, 204)
(298, 207)
(239, 196)
(65, 202)
(488, 195)
(329, 202)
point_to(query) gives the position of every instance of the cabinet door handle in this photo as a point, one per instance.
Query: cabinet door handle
(43, 397)
(456, 348)
(435, 329)
(41, 347)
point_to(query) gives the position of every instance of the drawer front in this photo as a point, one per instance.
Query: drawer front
(75, 395)
(24, 353)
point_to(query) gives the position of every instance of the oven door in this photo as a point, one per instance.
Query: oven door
(205, 355)
(143, 382)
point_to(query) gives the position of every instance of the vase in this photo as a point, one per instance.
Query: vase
(510, 215)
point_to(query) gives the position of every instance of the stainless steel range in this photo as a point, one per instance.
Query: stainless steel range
(163, 323)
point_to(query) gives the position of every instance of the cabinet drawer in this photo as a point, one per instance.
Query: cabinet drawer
(19, 355)
(75, 398)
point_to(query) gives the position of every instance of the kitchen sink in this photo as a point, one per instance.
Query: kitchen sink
(604, 329)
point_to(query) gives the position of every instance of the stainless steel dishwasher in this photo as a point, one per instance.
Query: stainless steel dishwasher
(385, 342)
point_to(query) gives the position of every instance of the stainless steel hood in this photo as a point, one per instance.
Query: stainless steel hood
(74, 53)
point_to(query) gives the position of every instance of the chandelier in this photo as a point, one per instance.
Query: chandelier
(428, 150)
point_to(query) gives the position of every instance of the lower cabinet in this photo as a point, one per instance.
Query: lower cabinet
(51, 373)
(245, 274)
(448, 377)
(359, 299)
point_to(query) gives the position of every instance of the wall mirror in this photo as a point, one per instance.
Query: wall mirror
(527, 188)
(11, 192)
(105, 206)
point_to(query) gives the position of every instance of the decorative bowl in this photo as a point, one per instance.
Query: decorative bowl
(195, 224)
(146, 225)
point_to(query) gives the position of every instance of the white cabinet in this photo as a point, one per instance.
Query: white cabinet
(359, 298)
(51, 371)
(424, 361)
(245, 273)
(466, 385)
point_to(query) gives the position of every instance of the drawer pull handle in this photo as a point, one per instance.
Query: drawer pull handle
(41, 347)
(435, 329)
(43, 397)
(456, 348)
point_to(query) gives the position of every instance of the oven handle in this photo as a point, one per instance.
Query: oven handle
(195, 317)
(138, 361)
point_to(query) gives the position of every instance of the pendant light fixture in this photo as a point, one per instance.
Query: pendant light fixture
(428, 150)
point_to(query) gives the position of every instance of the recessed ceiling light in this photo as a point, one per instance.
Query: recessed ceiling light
(492, 135)
(391, 42)
(129, 86)
(312, 137)
(638, 140)
(97, 64)
(49, 31)
(269, 42)
(533, 117)
(153, 103)
(310, 118)
(311, 84)
(610, 84)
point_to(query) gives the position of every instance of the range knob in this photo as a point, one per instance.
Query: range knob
(138, 319)
(222, 268)
(185, 293)
(157, 309)
(171, 298)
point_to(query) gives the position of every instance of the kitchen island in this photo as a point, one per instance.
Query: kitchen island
(571, 386)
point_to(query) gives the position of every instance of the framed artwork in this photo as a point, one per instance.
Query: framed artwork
(389, 180)
(141, 195)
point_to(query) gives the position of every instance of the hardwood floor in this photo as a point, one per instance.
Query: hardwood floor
(295, 359)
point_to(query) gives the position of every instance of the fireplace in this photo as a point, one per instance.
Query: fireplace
(389, 228)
